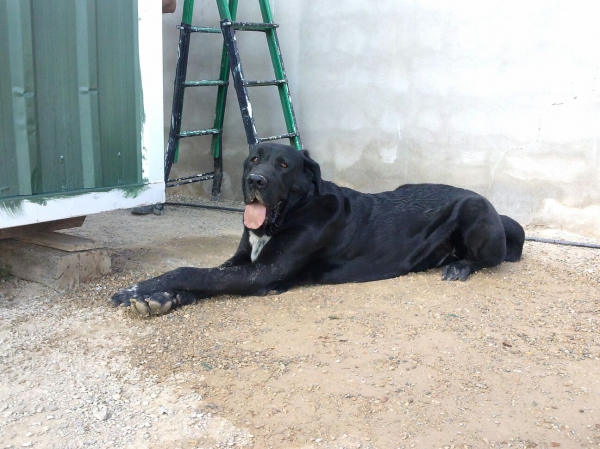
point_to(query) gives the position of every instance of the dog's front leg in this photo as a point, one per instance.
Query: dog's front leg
(280, 260)
(183, 286)
(155, 296)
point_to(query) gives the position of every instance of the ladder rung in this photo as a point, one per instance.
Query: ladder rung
(203, 29)
(199, 132)
(205, 83)
(250, 26)
(264, 83)
(191, 179)
(282, 136)
(185, 178)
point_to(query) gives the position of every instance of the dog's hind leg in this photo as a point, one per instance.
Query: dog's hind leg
(481, 239)
(515, 238)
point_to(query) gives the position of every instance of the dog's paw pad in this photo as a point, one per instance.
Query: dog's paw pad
(160, 303)
(157, 304)
(140, 307)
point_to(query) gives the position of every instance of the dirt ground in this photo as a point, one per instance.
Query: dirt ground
(509, 358)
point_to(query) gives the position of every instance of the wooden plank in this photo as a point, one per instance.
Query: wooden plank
(60, 241)
(60, 270)
(54, 225)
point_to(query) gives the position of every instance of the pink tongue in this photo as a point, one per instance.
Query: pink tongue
(254, 215)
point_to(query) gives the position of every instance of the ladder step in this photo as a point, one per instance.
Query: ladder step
(265, 83)
(191, 179)
(282, 136)
(213, 30)
(250, 26)
(205, 83)
(199, 132)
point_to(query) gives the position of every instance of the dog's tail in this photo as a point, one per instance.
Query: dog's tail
(515, 238)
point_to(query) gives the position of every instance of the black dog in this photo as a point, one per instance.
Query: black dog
(299, 229)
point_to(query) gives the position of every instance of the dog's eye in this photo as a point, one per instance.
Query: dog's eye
(254, 159)
(283, 165)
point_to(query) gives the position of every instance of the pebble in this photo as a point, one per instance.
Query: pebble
(102, 414)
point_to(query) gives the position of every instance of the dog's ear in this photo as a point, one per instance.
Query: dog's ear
(313, 169)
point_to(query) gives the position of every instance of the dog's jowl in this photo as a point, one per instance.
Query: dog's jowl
(300, 229)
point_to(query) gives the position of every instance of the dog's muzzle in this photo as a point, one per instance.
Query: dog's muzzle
(256, 182)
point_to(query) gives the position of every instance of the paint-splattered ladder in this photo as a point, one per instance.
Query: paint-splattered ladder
(181, 84)
(228, 28)
(230, 56)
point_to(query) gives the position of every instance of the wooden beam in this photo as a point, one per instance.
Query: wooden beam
(9, 233)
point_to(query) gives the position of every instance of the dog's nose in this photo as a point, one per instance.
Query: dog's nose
(257, 181)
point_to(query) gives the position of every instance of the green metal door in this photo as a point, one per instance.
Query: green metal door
(70, 96)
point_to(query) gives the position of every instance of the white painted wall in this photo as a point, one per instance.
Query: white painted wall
(501, 97)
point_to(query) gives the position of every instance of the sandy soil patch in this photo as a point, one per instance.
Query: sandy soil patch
(509, 358)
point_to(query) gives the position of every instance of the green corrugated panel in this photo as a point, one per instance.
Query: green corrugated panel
(19, 145)
(55, 50)
(87, 78)
(118, 79)
(8, 176)
(70, 96)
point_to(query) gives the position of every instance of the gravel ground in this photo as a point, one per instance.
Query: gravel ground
(509, 358)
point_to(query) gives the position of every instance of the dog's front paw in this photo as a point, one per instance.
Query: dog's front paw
(156, 304)
(456, 271)
(143, 305)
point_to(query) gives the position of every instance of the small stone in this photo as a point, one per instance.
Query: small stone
(102, 414)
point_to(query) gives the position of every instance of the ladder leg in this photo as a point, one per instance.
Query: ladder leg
(217, 139)
(238, 82)
(178, 90)
(228, 28)
(284, 90)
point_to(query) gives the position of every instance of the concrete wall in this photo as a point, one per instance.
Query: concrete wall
(500, 97)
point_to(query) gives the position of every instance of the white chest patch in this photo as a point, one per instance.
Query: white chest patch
(257, 243)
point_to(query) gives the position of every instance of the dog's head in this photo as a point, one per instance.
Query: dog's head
(276, 177)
